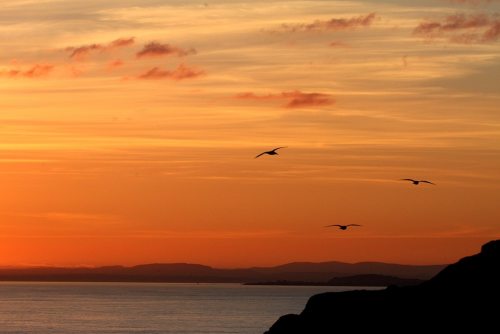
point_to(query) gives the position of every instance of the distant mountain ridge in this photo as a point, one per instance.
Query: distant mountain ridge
(197, 273)
(350, 269)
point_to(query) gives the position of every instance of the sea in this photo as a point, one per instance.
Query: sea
(105, 308)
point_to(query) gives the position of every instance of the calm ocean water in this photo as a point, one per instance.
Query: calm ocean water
(146, 307)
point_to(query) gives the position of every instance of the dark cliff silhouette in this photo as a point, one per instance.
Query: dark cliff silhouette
(463, 297)
(193, 273)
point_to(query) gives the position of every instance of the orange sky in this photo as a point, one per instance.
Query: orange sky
(128, 131)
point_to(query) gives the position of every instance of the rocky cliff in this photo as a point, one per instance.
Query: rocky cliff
(463, 297)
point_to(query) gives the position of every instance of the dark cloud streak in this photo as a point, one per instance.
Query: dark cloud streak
(181, 72)
(82, 52)
(155, 49)
(334, 24)
(462, 28)
(295, 99)
(36, 71)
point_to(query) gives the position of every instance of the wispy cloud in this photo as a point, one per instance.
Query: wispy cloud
(337, 44)
(462, 28)
(115, 64)
(83, 51)
(36, 71)
(156, 49)
(334, 24)
(181, 72)
(473, 2)
(63, 216)
(121, 42)
(295, 99)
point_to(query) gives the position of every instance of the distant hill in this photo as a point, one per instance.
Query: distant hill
(462, 298)
(195, 273)
(324, 271)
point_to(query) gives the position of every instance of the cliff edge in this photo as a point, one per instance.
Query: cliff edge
(464, 296)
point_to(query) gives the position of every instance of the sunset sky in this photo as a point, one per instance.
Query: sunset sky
(128, 131)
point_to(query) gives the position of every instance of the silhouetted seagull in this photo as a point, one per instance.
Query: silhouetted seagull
(416, 182)
(272, 152)
(343, 227)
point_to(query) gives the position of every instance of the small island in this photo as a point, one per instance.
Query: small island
(356, 280)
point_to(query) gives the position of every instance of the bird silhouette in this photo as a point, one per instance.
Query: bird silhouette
(343, 227)
(272, 152)
(416, 182)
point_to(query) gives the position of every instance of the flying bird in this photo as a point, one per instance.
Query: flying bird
(343, 227)
(416, 182)
(272, 152)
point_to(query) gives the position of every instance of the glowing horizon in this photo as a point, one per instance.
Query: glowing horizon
(129, 131)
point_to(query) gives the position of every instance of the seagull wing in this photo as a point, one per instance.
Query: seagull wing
(423, 181)
(260, 155)
(277, 148)
(333, 225)
(354, 225)
(412, 180)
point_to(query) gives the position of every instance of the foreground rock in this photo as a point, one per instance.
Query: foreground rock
(463, 297)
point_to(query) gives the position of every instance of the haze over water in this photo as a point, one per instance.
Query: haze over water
(146, 308)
